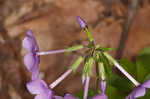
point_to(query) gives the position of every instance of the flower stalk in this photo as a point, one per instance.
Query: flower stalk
(51, 52)
(136, 83)
(86, 87)
(70, 49)
(62, 77)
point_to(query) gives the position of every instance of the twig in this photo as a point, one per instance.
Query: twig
(132, 11)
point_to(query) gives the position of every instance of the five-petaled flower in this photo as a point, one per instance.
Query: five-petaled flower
(40, 89)
(31, 59)
(139, 91)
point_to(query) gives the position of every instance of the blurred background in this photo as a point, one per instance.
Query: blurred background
(120, 24)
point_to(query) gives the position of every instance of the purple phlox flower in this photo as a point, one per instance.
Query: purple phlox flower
(40, 89)
(102, 94)
(81, 22)
(31, 60)
(139, 91)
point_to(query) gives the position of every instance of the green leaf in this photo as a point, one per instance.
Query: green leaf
(147, 77)
(143, 67)
(145, 51)
(121, 83)
(113, 93)
(129, 66)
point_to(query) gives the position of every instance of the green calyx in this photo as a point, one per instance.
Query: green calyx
(102, 70)
(99, 48)
(76, 64)
(88, 67)
(110, 58)
(75, 48)
(89, 34)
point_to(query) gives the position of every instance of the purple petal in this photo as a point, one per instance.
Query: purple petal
(81, 22)
(130, 97)
(69, 96)
(58, 97)
(100, 96)
(146, 84)
(48, 95)
(140, 91)
(29, 43)
(37, 87)
(29, 61)
(39, 96)
(29, 33)
(35, 71)
(137, 92)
